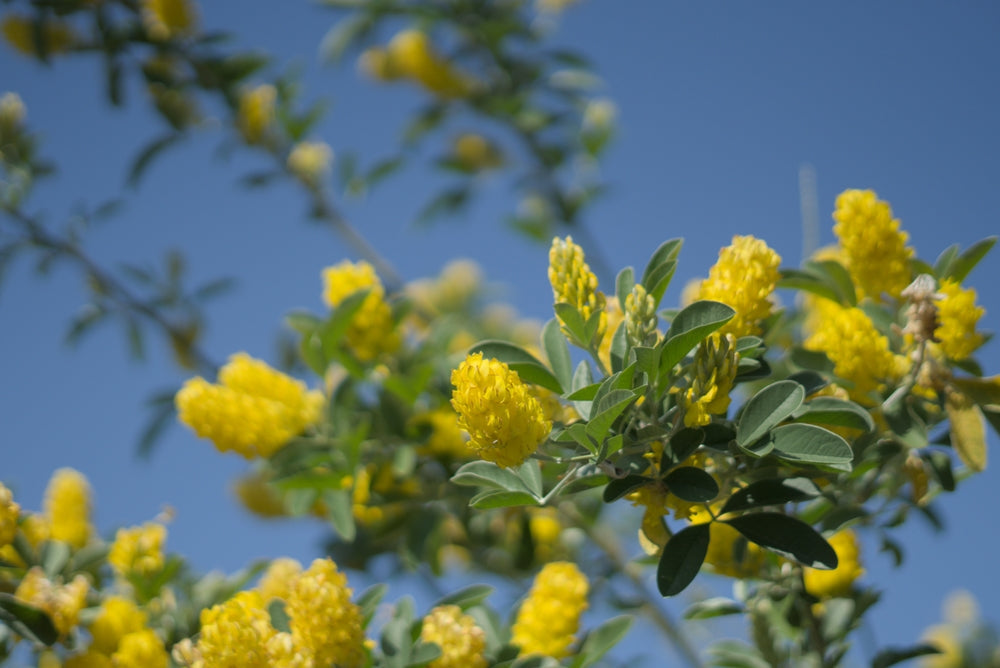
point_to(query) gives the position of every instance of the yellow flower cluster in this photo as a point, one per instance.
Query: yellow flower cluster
(958, 315)
(278, 579)
(256, 496)
(326, 627)
(838, 582)
(372, 331)
(138, 550)
(743, 277)
(9, 514)
(874, 248)
(475, 153)
(410, 55)
(446, 438)
(310, 161)
(19, 31)
(164, 19)
(574, 283)
(550, 617)
(61, 602)
(640, 317)
(67, 507)
(461, 640)
(256, 112)
(859, 352)
(117, 618)
(505, 422)
(121, 638)
(254, 410)
(714, 372)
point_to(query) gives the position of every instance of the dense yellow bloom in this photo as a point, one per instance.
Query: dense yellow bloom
(550, 616)
(310, 161)
(743, 277)
(958, 315)
(89, 659)
(9, 514)
(372, 331)
(140, 649)
(874, 248)
(138, 550)
(236, 633)
(859, 352)
(67, 507)
(838, 582)
(475, 153)
(323, 620)
(409, 54)
(256, 112)
(714, 372)
(62, 602)
(117, 618)
(19, 31)
(505, 422)
(254, 410)
(640, 317)
(446, 438)
(164, 19)
(279, 578)
(462, 642)
(574, 283)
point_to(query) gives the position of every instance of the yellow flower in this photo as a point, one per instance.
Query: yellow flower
(9, 514)
(615, 317)
(323, 620)
(550, 616)
(164, 19)
(236, 633)
(117, 618)
(653, 534)
(945, 638)
(545, 528)
(61, 602)
(12, 114)
(310, 161)
(714, 372)
(505, 423)
(372, 331)
(446, 438)
(838, 582)
(462, 642)
(859, 352)
(410, 53)
(258, 497)
(379, 65)
(138, 550)
(19, 31)
(89, 659)
(67, 507)
(574, 283)
(279, 578)
(640, 317)
(475, 152)
(874, 247)
(744, 277)
(140, 649)
(958, 315)
(254, 410)
(256, 112)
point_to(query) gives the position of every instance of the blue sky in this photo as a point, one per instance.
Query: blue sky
(720, 104)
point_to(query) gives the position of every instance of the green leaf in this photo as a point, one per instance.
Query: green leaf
(893, 655)
(812, 360)
(619, 487)
(624, 283)
(557, 350)
(944, 261)
(767, 408)
(804, 443)
(619, 348)
(573, 323)
(810, 380)
(660, 268)
(423, 654)
(682, 558)
(334, 330)
(488, 474)
(909, 428)
(837, 276)
(583, 377)
(713, 607)
(940, 464)
(491, 499)
(54, 556)
(836, 412)
(531, 473)
(690, 327)
(27, 620)
(524, 363)
(466, 597)
(795, 279)
(683, 444)
(968, 260)
(772, 492)
(279, 616)
(150, 152)
(369, 599)
(598, 642)
(340, 508)
(692, 484)
(610, 407)
(790, 537)
(588, 393)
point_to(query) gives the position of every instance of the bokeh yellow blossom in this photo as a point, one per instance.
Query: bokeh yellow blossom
(505, 422)
(446, 438)
(545, 528)
(117, 617)
(164, 19)
(279, 578)
(19, 31)
(140, 649)
(9, 514)
(256, 112)
(461, 640)
(475, 152)
(549, 617)
(12, 114)
(836, 582)
(89, 659)
(67, 507)
(138, 550)
(310, 161)
(410, 54)
(372, 331)
(323, 620)
(874, 248)
(743, 277)
(61, 602)
(253, 410)
(958, 315)
(574, 283)
(258, 497)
